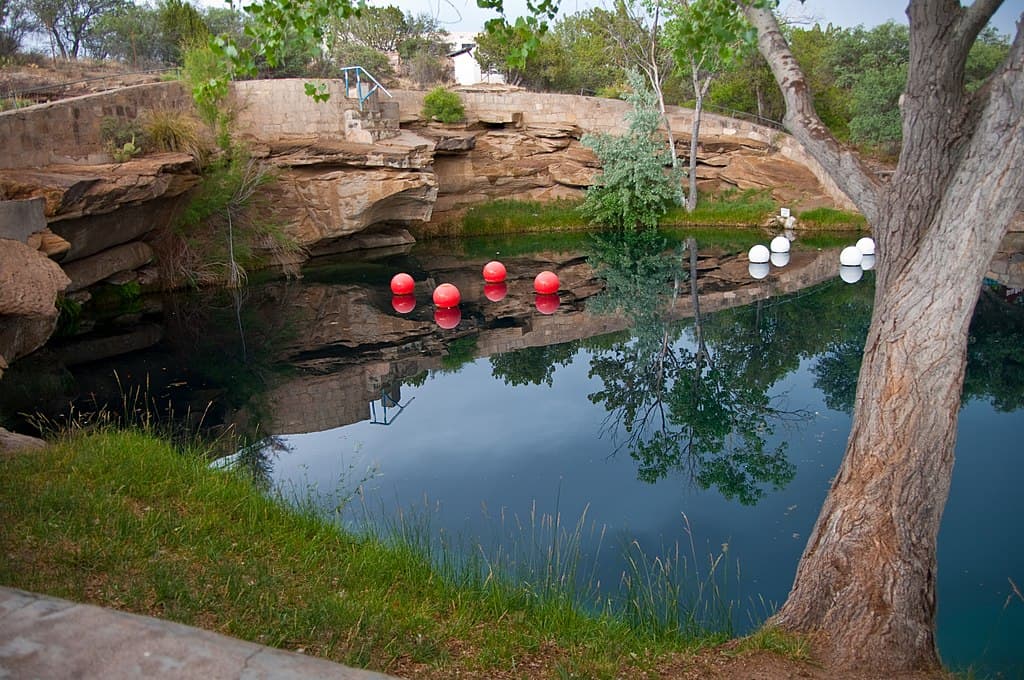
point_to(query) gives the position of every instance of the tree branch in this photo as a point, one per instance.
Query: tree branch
(995, 152)
(845, 166)
(975, 17)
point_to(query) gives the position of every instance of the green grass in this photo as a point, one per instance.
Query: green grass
(827, 239)
(769, 638)
(830, 218)
(735, 208)
(513, 217)
(120, 518)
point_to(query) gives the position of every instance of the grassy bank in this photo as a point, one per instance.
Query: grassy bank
(516, 217)
(119, 518)
(729, 209)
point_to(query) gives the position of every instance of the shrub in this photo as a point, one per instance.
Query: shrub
(123, 138)
(634, 189)
(227, 226)
(168, 130)
(425, 69)
(443, 105)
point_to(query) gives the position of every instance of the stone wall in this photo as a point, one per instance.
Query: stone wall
(275, 109)
(68, 131)
(597, 114)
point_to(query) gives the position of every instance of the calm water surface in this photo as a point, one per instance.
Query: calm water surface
(722, 436)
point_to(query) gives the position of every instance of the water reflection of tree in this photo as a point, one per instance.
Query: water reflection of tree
(532, 365)
(256, 459)
(995, 365)
(700, 408)
(995, 360)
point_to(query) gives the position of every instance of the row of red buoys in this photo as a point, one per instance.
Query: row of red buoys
(447, 297)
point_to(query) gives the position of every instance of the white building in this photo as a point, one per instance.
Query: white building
(464, 64)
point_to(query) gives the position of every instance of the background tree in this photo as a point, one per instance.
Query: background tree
(15, 24)
(635, 28)
(747, 86)
(130, 34)
(68, 23)
(382, 28)
(584, 67)
(181, 24)
(633, 190)
(704, 36)
(494, 55)
(866, 579)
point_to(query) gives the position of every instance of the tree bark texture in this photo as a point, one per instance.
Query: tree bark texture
(866, 580)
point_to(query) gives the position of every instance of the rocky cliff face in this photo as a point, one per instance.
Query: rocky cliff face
(87, 218)
(328, 190)
(333, 187)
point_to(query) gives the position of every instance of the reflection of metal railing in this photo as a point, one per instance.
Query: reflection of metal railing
(358, 74)
(384, 399)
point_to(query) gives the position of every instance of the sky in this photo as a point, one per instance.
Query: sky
(464, 15)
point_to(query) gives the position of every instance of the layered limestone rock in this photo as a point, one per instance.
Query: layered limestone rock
(73, 191)
(321, 204)
(29, 285)
(478, 162)
(325, 191)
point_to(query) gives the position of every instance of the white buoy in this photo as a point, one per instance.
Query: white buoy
(758, 270)
(866, 245)
(868, 262)
(780, 259)
(850, 257)
(779, 244)
(850, 274)
(758, 254)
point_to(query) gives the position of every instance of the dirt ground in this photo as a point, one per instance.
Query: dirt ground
(724, 662)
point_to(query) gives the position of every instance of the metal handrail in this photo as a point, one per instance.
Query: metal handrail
(743, 115)
(359, 71)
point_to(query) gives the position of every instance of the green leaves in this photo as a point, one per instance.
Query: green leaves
(708, 33)
(634, 189)
(318, 91)
(523, 36)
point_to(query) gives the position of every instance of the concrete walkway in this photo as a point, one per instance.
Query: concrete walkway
(49, 638)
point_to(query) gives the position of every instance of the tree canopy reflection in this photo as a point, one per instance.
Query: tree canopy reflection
(697, 405)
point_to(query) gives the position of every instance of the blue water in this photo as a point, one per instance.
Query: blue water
(485, 444)
(468, 449)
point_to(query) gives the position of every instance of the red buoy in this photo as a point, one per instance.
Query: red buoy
(402, 284)
(446, 295)
(403, 304)
(546, 303)
(546, 283)
(495, 292)
(494, 272)
(447, 317)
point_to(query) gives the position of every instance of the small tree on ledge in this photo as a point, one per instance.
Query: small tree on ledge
(635, 188)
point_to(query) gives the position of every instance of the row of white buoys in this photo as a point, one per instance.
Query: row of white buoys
(762, 258)
(857, 259)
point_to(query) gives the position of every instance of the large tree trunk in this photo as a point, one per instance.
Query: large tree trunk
(866, 581)
(867, 576)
